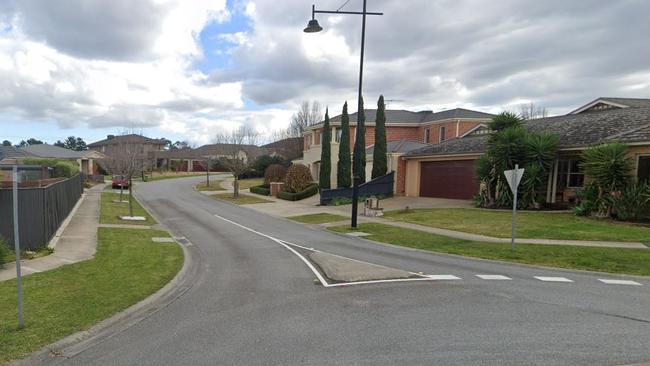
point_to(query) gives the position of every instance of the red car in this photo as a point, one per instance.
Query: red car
(120, 181)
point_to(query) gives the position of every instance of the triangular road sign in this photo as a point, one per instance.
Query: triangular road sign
(514, 177)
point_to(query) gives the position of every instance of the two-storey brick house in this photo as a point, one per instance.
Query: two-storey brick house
(412, 128)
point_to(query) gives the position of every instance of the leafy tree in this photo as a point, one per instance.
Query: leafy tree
(360, 145)
(326, 154)
(72, 143)
(6, 143)
(379, 158)
(343, 166)
(30, 141)
(297, 179)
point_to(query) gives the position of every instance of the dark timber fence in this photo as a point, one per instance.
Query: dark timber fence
(381, 186)
(40, 211)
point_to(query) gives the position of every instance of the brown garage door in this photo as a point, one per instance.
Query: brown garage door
(448, 179)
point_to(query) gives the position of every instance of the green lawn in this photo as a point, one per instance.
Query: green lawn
(215, 185)
(542, 225)
(127, 268)
(247, 183)
(243, 199)
(614, 260)
(111, 211)
(319, 218)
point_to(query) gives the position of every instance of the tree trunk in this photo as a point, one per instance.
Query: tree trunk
(121, 192)
(236, 187)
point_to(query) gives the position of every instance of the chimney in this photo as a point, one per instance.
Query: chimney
(110, 137)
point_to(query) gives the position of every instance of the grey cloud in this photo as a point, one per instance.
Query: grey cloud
(554, 52)
(128, 115)
(111, 30)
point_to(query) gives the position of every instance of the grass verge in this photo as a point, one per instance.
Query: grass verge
(127, 268)
(247, 183)
(539, 225)
(319, 218)
(243, 199)
(613, 260)
(171, 175)
(215, 185)
(111, 211)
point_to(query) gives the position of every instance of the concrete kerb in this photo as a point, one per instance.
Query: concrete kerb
(78, 342)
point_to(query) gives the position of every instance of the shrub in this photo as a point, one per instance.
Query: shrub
(263, 189)
(297, 179)
(275, 173)
(64, 169)
(4, 252)
(61, 168)
(309, 191)
(608, 165)
(632, 203)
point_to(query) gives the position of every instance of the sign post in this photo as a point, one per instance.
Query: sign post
(514, 178)
(19, 282)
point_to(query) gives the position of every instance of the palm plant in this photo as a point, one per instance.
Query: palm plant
(608, 165)
(505, 120)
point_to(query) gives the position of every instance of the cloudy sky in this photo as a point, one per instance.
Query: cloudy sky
(184, 69)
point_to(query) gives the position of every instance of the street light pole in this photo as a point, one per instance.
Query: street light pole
(313, 27)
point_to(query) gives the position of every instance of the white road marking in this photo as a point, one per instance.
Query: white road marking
(442, 277)
(553, 279)
(321, 279)
(619, 282)
(493, 277)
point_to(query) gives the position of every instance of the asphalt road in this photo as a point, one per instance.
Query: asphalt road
(253, 302)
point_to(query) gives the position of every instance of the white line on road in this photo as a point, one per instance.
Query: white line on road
(442, 277)
(318, 275)
(493, 277)
(553, 279)
(619, 282)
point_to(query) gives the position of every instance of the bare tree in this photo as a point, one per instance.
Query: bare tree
(531, 111)
(236, 151)
(127, 161)
(308, 114)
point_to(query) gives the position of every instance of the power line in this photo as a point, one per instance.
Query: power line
(344, 4)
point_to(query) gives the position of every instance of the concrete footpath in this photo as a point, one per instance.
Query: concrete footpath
(75, 241)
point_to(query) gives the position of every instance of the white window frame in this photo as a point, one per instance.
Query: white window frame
(427, 135)
(442, 131)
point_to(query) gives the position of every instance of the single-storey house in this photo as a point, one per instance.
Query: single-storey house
(85, 159)
(447, 170)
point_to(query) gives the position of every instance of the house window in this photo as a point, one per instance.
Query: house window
(338, 134)
(427, 134)
(569, 174)
(442, 134)
(644, 169)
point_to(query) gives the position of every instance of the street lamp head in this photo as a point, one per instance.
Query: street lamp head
(313, 27)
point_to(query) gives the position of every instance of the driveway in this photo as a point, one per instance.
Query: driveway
(254, 302)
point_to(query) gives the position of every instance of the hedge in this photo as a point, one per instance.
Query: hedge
(311, 190)
(264, 189)
(4, 251)
(60, 168)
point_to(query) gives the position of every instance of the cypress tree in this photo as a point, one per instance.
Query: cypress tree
(361, 125)
(379, 158)
(326, 154)
(344, 165)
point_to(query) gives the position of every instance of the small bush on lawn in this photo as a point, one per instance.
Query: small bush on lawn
(275, 173)
(264, 189)
(298, 178)
(632, 203)
(311, 190)
(4, 252)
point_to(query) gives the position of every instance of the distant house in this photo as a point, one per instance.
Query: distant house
(85, 159)
(10, 155)
(289, 149)
(447, 170)
(195, 160)
(111, 144)
(423, 127)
